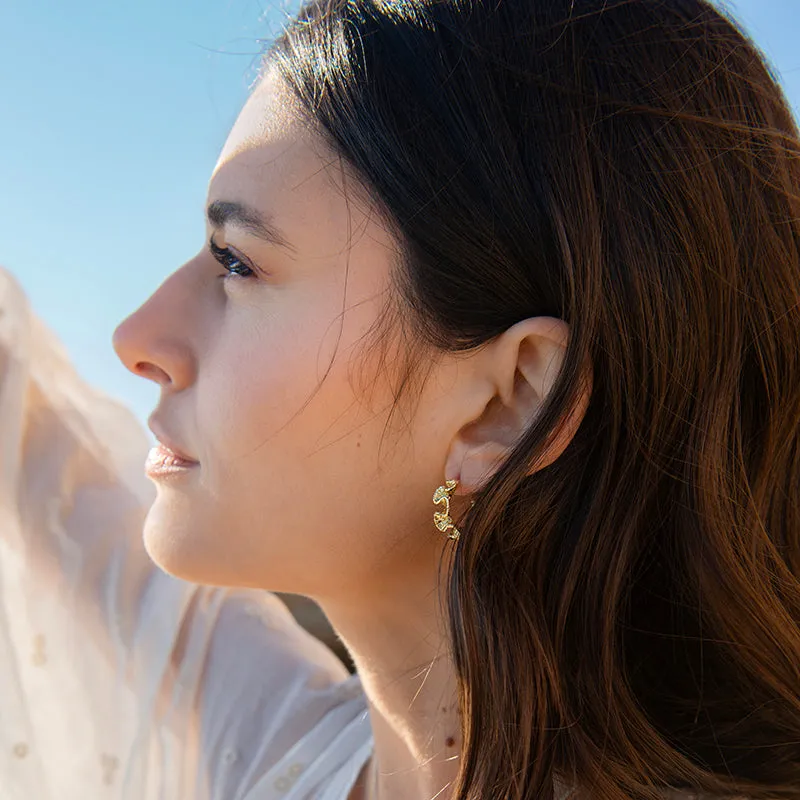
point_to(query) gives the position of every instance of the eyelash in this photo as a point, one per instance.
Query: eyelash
(226, 257)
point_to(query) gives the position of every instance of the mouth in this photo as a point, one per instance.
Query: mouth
(165, 459)
(162, 461)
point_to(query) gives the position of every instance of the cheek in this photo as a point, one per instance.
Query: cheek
(248, 392)
(276, 379)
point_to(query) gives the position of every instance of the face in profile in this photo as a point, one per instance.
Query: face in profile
(260, 344)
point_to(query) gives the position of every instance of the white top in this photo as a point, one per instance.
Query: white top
(118, 681)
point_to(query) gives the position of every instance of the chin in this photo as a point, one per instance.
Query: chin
(180, 548)
(191, 547)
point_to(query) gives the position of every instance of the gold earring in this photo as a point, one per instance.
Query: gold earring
(442, 519)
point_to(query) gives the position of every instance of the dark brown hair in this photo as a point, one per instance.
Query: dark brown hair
(627, 618)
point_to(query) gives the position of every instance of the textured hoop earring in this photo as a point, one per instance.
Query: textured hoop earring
(442, 519)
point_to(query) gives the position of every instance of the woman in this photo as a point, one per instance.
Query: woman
(538, 261)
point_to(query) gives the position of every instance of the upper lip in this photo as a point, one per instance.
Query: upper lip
(167, 442)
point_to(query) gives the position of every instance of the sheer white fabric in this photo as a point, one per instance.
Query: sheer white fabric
(117, 680)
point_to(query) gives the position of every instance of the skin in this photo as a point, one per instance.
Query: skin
(294, 490)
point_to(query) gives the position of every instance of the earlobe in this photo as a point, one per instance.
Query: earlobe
(521, 366)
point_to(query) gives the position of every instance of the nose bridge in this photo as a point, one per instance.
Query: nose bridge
(154, 341)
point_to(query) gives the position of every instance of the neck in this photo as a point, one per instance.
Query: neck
(396, 638)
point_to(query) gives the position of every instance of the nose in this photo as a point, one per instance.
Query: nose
(151, 344)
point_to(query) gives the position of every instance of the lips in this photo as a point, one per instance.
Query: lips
(166, 460)
(163, 463)
(162, 456)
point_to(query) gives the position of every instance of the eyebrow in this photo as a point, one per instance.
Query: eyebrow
(222, 212)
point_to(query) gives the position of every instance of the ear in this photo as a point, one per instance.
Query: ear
(516, 372)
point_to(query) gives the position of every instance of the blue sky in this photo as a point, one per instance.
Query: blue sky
(115, 115)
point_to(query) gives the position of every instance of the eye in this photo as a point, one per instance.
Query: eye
(229, 260)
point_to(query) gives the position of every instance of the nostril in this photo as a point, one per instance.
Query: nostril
(146, 369)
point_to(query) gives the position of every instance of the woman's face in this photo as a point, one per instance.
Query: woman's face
(266, 383)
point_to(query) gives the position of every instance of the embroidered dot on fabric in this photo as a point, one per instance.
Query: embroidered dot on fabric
(296, 769)
(20, 750)
(108, 764)
(39, 657)
(282, 784)
(230, 756)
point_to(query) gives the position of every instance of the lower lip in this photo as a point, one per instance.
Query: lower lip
(163, 463)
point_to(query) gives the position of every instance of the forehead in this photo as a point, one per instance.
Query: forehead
(270, 148)
(270, 116)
